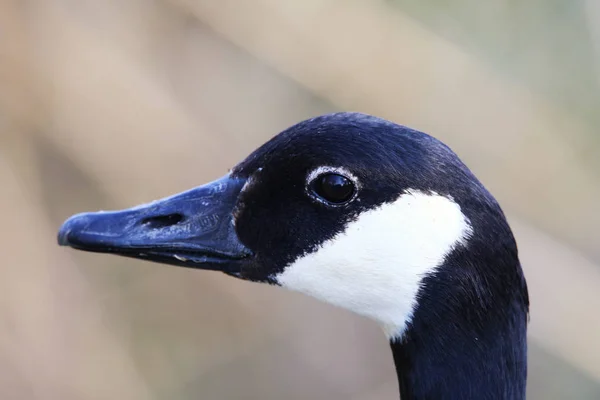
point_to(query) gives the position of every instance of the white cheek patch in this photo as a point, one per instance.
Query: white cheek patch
(376, 266)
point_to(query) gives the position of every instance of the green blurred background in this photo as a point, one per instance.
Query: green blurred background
(109, 104)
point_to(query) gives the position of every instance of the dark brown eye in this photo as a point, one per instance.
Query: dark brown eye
(333, 188)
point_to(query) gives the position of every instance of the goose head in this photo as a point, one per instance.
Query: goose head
(367, 215)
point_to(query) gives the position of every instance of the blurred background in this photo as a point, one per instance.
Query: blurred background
(109, 104)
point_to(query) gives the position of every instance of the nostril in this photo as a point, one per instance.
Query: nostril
(162, 221)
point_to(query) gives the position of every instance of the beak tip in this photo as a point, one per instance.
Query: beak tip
(69, 227)
(63, 237)
(64, 233)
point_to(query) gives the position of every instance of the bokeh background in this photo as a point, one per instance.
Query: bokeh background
(106, 104)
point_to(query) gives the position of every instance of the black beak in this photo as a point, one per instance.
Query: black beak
(192, 229)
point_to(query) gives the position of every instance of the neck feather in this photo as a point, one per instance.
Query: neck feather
(465, 341)
(462, 367)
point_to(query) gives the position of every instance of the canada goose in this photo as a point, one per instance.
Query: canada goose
(367, 215)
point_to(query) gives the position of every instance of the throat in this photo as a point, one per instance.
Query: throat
(447, 361)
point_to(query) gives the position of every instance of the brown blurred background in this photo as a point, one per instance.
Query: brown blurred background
(106, 104)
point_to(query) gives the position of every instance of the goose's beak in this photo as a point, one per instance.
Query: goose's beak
(191, 229)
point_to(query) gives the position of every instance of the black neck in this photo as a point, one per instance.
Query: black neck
(461, 365)
(465, 345)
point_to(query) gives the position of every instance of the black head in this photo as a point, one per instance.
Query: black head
(349, 208)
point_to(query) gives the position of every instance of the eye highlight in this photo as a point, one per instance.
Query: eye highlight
(333, 188)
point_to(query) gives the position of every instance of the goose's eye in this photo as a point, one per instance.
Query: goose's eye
(333, 188)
